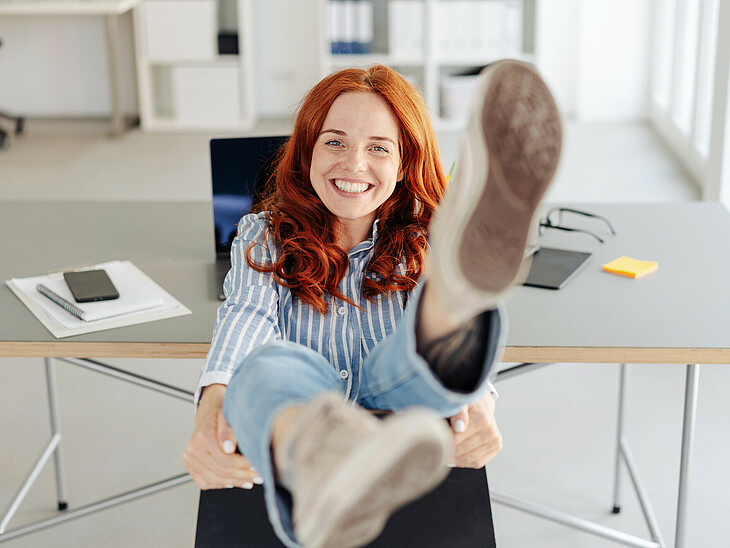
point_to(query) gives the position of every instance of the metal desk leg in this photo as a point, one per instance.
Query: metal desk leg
(56, 431)
(112, 40)
(620, 436)
(688, 430)
(54, 448)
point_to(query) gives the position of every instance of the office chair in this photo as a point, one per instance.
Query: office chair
(17, 120)
(457, 513)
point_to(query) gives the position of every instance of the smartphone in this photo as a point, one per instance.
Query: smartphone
(90, 285)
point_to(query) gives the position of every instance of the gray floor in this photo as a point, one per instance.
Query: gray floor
(558, 422)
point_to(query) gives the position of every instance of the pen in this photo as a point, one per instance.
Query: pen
(60, 301)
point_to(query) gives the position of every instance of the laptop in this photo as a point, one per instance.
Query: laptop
(240, 167)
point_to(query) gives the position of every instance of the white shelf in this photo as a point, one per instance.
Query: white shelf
(221, 61)
(170, 125)
(183, 83)
(481, 61)
(67, 7)
(437, 24)
(347, 59)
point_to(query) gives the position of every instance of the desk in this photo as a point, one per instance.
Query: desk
(679, 315)
(627, 321)
(110, 9)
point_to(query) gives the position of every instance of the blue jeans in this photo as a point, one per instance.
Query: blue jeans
(282, 373)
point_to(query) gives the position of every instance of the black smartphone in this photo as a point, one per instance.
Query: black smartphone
(90, 285)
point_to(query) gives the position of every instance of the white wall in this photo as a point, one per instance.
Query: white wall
(595, 54)
(57, 66)
(556, 41)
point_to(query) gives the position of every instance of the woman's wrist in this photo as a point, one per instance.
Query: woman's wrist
(213, 394)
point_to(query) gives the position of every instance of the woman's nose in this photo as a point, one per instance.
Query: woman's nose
(356, 160)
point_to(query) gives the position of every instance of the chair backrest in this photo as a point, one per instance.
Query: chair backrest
(456, 514)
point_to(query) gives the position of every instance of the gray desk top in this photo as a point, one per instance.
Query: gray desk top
(171, 242)
(682, 311)
(685, 304)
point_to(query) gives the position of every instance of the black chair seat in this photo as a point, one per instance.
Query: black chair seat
(457, 514)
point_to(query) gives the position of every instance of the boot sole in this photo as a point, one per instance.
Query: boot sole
(519, 124)
(405, 460)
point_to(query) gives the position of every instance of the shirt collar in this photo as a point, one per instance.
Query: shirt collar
(368, 244)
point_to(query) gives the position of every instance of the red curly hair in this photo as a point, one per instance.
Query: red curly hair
(311, 263)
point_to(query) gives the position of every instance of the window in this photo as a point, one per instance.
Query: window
(684, 84)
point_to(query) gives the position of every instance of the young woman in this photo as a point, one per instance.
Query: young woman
(336, 297)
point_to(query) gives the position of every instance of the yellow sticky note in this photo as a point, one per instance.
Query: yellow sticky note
(631, 268)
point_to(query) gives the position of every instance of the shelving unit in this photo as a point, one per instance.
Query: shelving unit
(183, 83)
(429, 65)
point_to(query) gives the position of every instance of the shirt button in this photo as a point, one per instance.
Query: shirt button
(342, 311)
(344, 374)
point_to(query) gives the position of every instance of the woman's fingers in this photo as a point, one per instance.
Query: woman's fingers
(482, 440)
(226, 437)
(210, 456)
(460, 421)
(211, 472)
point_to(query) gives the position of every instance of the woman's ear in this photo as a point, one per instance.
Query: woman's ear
(400, 176)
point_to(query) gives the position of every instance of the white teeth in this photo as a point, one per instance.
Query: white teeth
(353, 188)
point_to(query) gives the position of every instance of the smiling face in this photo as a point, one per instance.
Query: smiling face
(356, 162)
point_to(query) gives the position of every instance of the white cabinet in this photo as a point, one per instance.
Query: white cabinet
(431, 42)
(183, 82)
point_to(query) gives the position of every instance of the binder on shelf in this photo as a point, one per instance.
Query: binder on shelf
(337, 25)
(351, 26)
(405, 29)
(514, 23)
(365, 28)
(471, 29)
(140, 300)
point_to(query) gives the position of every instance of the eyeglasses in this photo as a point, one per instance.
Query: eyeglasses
(554, 219)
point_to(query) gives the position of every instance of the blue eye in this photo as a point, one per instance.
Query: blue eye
(380, 149)
(333, 142)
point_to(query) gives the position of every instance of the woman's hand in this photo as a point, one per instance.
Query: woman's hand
(210, 456)
(476, 436)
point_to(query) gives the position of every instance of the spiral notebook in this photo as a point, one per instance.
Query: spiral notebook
(140, 300)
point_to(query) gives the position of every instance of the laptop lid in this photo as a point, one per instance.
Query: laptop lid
(240, 167)
(237, 175)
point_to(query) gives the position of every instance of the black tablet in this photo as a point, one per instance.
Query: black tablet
(553, 268)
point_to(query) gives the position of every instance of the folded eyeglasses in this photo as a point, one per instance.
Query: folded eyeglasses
(554, 219)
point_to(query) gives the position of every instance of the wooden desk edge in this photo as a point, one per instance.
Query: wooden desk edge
(556, 354)
(51, 349)
(68, 349)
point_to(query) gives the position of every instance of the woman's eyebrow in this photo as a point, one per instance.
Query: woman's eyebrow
(335, 131)
(376, 138)
(343, 134)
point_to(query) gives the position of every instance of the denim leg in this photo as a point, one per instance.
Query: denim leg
(273, 377)
(395, 376)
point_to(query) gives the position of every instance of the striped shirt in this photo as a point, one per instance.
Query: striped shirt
(258, 310)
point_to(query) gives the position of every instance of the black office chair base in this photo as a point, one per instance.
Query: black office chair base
(19, 128)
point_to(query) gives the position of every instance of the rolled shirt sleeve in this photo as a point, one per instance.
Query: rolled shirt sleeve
(249, 317)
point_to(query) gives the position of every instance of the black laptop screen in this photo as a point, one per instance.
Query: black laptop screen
(236, 168)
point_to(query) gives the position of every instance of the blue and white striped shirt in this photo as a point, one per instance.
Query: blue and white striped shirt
(258, 310)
